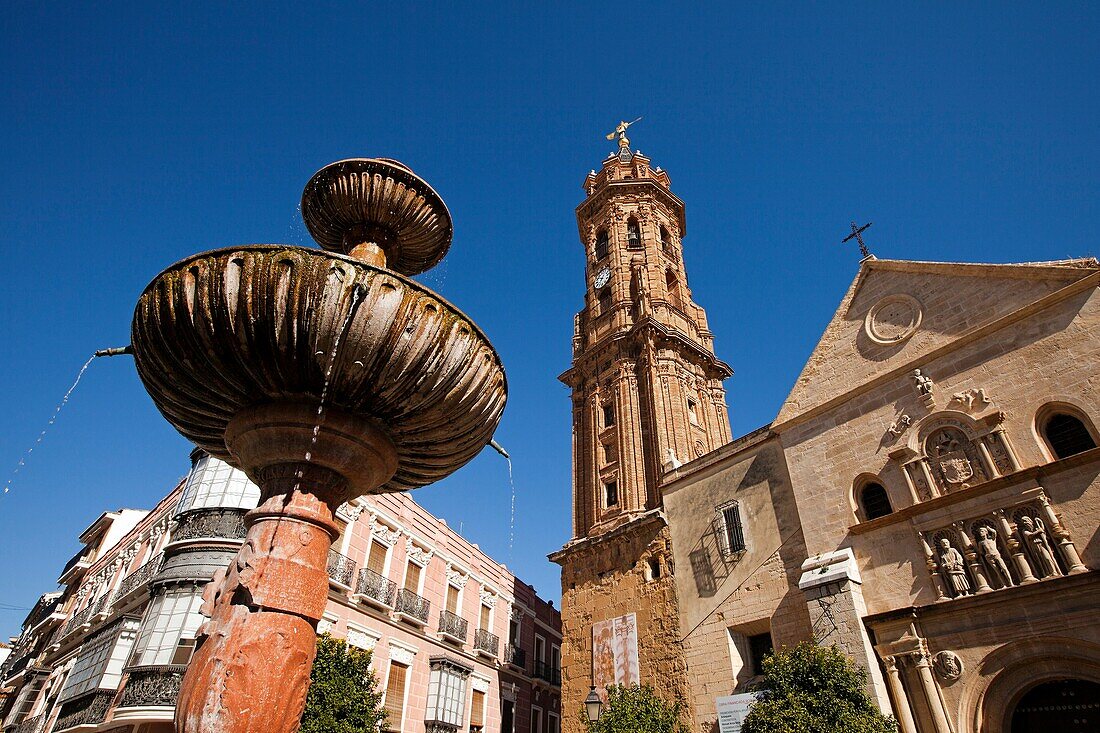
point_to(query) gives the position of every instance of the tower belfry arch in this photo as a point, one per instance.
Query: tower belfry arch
(647, 397)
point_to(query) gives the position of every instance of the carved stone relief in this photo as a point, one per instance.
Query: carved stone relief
(1017, 545)
(947, 665)
(971, 401)
(893, 319)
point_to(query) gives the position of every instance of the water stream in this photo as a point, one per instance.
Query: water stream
(53, 418)
(357, 294)
(512, 519)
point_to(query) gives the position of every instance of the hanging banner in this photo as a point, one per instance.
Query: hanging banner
(615, 652)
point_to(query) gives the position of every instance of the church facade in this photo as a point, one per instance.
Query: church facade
(927, 498)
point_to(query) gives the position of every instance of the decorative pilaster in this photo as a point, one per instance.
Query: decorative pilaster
(898, 695)
(923, 663)
(1066, 547)
(1023, 568)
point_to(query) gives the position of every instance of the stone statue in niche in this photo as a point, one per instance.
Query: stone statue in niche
(948, 665)
(1034, 534)
(991, 556)
(954, 567)
(924, 386)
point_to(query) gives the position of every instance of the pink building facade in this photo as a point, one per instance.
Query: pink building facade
(458, 642)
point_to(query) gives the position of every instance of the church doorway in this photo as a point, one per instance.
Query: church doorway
(1064, 706)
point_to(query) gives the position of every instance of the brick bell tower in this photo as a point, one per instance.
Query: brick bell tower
(647, 396)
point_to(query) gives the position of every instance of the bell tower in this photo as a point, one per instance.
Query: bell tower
(647, 396)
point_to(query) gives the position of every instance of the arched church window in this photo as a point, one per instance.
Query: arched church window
(633, 234)
(605, 300)
(1067, 435)
(601, 244)
(672, 284)
(874, 501)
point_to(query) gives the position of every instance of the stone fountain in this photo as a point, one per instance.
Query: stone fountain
(323, 375)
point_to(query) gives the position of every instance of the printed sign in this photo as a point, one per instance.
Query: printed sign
(615, 652)
(732, 710)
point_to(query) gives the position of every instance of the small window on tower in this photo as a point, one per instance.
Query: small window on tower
(666, 240)
(605, 301)
(633, 234)
(608, 415)
(609, 453)
(693, 415)
(611, 493)
(601, 244)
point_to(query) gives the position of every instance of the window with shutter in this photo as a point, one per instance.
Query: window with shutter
(376, 560)
(452, 599)
(477, 712)
(395, 696)
(412, 578)
(485, 611)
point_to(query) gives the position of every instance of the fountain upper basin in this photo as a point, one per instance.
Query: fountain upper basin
(226, 331)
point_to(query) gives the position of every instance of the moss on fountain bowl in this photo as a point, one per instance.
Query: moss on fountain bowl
(233, 328)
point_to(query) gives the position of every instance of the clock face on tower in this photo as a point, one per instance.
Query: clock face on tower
(601, 278)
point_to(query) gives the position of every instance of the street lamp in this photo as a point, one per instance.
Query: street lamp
(593, 705)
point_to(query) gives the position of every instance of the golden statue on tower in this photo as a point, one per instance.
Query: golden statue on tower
(620, 132)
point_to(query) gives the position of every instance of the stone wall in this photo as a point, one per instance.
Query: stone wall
(609, 577)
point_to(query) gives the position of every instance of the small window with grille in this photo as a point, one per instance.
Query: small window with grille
(732, 529)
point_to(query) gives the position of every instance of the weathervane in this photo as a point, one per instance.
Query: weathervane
(857, 234)
(620, 132)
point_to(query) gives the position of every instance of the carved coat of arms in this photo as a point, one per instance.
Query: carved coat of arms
(956, 467)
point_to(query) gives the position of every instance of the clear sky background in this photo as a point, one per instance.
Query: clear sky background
(132, 135)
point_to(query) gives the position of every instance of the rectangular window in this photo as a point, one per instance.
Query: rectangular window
(376, 558)
(611, 493)
(609, 453)
(760, 646)
(99, 666)
(553, 724)
(485, 614)
(395, 696)
(477, 712)
(24, 704)
(171, 624)
(608, 415)
(513, 632)
(452, 599)
(536, 719)
(540, 649)
(733, 533)
(693, 416)
(412, 577)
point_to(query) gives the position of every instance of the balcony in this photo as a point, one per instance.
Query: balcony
(486, 643)
(374, 589)
(412, 608)
(341, 570)
(154, 686)
(30, 725)
(210, 524)
(75, 567)
(89, 709)
(139, 578)
(452, 627)
(515, 656)
(547, 673)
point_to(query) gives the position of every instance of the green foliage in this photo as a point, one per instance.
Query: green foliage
(636, 709)
(343, 691)
(813, 689)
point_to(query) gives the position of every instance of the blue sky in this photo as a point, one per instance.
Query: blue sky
(136, 134)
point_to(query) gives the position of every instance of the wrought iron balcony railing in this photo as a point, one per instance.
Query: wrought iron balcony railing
(78, 620)
(544, 671)
(486, 642)
(515, 656)
(89, 709)
(139, 577)
(374, 587)
(341, 569)
(210, 523)
(452, 626)
(156, 686)
(412, 606)
(30, 725)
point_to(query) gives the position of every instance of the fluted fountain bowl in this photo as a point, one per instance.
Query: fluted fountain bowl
(232, 329)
